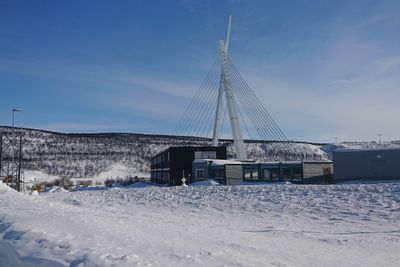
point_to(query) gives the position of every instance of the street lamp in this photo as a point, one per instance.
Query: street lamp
(13, 111)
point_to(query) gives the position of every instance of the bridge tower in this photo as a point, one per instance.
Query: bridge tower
(225, 88)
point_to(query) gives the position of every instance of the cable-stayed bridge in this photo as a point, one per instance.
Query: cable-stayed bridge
(224, 92)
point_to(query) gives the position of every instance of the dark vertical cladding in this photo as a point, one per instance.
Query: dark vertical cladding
(169, 166)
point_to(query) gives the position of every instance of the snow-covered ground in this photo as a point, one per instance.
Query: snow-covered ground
(264, 225)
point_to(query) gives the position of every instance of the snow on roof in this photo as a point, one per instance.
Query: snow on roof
(221, 162)
(365, 149)
(217, 162)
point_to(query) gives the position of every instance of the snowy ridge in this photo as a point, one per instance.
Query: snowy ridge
(50, 155)
(270, 225)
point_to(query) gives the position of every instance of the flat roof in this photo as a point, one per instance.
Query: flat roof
(188, 147)
(217, 162)
(340, 150)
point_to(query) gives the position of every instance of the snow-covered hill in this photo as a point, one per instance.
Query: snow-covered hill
(49, 155)
(270, 225)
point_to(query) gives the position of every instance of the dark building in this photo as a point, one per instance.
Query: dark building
(368, 164)
(233, 172)
(169, 166)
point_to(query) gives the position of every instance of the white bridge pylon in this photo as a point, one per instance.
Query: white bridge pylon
(225, 84)
(225, 88)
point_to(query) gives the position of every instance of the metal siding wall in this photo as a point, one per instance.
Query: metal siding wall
(234, 174)
(314, 172)
(372, 164)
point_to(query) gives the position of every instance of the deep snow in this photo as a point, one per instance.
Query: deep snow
(263, 225)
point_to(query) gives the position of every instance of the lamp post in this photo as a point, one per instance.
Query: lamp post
(13, 111)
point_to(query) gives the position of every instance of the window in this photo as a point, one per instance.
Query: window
(287, 173)
(219, 172)
(247, 174)
(250, 173)
(254, 174)
(209, 155)
(205, 154)
(275, 174)
(267, 174)
(199, 173)
(326, 171)
(297, 173)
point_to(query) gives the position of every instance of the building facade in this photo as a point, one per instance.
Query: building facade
(169, 166)
(366, 164)
(232, 172)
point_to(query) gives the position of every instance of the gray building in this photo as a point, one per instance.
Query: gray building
(368, 164)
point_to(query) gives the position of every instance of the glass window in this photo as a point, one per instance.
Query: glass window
(250, 173)
(219, 172)
(247, 174)
(287, 173)
(267, 174)
(205, 154)
(297, 172)
(326, 171)
(200, 173)
(275, 174)
(209, 155)
(254, 174)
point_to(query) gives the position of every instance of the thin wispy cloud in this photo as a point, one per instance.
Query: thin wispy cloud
(323, 70)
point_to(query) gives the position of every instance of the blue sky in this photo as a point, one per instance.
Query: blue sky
(323, 69)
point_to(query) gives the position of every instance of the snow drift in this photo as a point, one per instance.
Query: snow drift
(268, 225)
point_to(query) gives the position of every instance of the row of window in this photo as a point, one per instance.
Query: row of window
(160, 176)
(162, 158)
(252, 173)
(205, 155)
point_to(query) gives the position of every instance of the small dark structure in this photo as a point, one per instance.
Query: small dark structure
(233, 172)
(366, 164)
(169, 166)
(11, 158)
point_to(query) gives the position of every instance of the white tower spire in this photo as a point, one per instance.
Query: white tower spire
(218, 113)
(226, 87)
